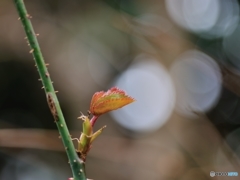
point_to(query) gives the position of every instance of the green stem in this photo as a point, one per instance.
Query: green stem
(77, 165)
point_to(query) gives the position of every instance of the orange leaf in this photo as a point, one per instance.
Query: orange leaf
(103, 102)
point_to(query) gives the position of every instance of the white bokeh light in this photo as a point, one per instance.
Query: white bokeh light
(198, 82)
(200, 15)
(194, 15)
(227, 20)
(150, 84)
(211, 18)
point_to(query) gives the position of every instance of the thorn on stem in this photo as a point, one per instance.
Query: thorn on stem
(19, 18)
(82, 162)
(37, 34)
(47, 75)
(56, 91)
(46, 64)
(40, 79)
(28, 16)
(43, 87)
(31, 51)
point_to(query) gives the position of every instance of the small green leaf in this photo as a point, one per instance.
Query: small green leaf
(97, 133)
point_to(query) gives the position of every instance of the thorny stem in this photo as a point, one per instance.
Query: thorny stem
(77, 165)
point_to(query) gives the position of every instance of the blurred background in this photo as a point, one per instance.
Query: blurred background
(178, 58)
